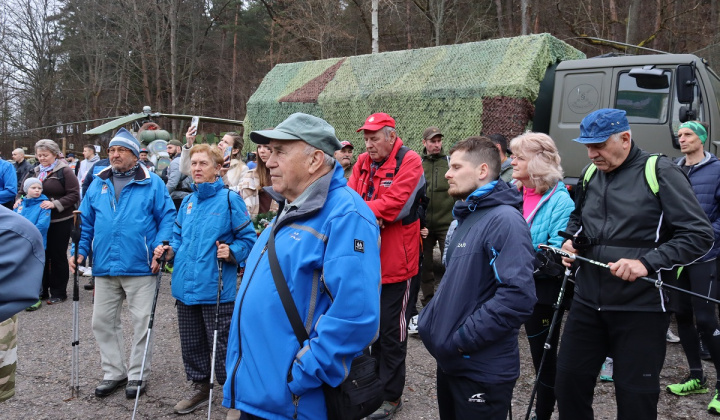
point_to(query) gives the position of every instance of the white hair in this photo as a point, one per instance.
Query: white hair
(327, 159)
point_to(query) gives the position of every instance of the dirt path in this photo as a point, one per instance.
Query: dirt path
(43, 376)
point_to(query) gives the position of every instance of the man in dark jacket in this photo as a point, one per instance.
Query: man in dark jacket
(619, 220)
(22, 166)
(471, 325)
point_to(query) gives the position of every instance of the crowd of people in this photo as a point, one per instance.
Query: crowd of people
(350, 250)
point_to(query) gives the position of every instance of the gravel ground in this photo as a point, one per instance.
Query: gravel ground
(43, 375)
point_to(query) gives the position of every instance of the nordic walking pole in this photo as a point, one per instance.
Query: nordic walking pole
(657, 282)
(75, 361)
(217, 312)
(548, 340)
(161, 261)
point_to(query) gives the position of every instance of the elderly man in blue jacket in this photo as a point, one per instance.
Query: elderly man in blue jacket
(471, 324)
(327, 247)
(126, 213)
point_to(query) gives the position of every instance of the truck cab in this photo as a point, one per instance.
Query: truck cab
(658, 92)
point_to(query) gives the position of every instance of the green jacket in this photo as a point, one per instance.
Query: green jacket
(439, 211)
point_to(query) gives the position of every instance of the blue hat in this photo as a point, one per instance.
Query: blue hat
(125, 139)
(597, 126)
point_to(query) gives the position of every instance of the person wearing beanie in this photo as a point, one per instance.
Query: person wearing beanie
(126, 212)
(30, 209)
(703, 171)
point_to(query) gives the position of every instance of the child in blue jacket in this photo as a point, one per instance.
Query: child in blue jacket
(29, 208)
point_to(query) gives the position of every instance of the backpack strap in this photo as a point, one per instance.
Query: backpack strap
(651, 173)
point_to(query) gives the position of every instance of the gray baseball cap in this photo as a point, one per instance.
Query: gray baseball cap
(298, 126)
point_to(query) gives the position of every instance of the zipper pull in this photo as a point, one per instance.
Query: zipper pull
(295, 401)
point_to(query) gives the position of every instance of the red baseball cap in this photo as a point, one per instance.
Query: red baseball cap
(377, 121)
(346, 143)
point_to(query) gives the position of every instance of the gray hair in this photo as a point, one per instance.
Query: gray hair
(616, 136)
(388, 131)
(327, 159)
(49, 145)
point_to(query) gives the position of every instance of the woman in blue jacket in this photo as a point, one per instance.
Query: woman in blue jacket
(212, 224)
(546, 207)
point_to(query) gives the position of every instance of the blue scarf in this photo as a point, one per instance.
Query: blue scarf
(45, 170)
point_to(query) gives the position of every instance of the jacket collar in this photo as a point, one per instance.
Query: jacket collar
(141, 174)
(208, 189)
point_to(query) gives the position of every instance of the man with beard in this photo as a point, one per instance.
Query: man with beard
(471, 325)
(178, 184)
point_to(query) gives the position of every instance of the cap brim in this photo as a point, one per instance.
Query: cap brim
(590, 140)
(371, 127)
(264, 136)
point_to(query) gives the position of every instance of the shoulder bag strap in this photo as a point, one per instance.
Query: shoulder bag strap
(284, 292)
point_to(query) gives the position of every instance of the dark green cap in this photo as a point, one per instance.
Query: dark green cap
(310, 129)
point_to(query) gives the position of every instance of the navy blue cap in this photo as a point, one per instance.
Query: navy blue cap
(597, 126)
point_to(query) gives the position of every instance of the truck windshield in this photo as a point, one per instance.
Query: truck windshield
(648, 106)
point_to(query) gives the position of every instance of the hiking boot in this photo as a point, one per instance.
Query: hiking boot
(132, 388)
(34, 307)
(690, 386)
(671, 338)
(55, 300)
(108, 386)
(198, 397)
(387, 410)
(91, 284)
(606, 372)
(413, 326)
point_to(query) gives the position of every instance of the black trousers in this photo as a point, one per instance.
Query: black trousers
(635, 341)
(700, 278)
(391, 346)
(537, 329)
(57, 271)
(461, 398)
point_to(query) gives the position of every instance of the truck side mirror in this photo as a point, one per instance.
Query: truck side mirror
(649, 77)
(685, 83)
(686, 114)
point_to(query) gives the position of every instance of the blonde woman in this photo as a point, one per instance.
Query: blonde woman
(546, 207)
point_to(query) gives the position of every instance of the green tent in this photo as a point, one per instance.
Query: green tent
(465, 89)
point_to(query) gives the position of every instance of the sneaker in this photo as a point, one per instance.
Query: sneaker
(690, 386)
(412, 326)
(87, 272)
(108, 386)
(199, 397)
(704, 352)
(387, 410)
(714, 406)
(671, 338)
(34, 307)
(606, 373)
(132, 388)
(53, 301)
(168, 268)
(82, 269)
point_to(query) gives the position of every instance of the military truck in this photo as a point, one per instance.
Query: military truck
(506, 86)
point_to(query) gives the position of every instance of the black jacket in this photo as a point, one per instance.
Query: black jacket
(619, 206)
(21, 170)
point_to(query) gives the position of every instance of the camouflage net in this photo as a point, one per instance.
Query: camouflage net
(465, 89)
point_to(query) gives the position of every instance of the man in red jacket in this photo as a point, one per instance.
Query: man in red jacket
(389, 190)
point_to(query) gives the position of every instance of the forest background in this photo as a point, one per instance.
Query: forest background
(86, 60)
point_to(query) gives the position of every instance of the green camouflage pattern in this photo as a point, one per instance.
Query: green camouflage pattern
(8, 357)
(465, 89)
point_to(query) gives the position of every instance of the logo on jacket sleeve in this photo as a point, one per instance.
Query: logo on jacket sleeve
(359, 246)
(387, 183)
(104, 189)
(189, 207)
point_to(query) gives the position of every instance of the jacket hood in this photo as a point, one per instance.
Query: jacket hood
(492, 194)
(709, 157)
(39, 199)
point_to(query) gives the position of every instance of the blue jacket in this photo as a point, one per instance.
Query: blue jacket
(8, 182)
(211, 213)
(124, 233)
(550, 216)
(705, 181)
(329, 254)
(22, 261)
(471, 324)
(30, 209)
